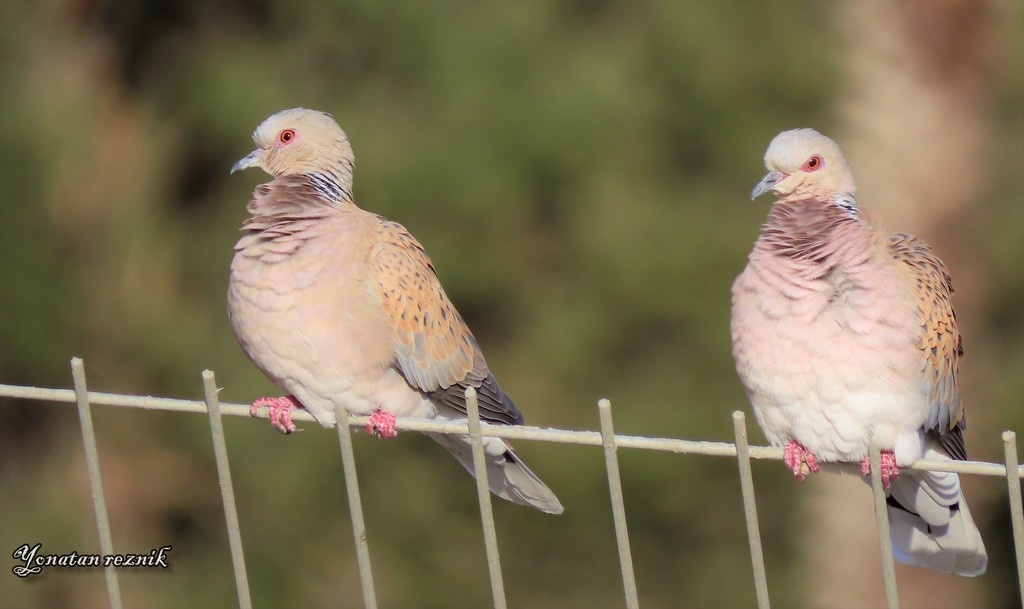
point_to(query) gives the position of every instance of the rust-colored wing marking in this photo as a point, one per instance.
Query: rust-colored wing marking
(939, 338)
(435, 350)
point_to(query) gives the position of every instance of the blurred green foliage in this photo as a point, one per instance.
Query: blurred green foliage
(579, 172)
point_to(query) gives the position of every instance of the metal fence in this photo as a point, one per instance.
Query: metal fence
(1012, 470)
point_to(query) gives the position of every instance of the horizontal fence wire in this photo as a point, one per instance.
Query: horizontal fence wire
(518, 432)
(1011, 470)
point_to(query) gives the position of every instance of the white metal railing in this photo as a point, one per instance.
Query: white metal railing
(1012, 470)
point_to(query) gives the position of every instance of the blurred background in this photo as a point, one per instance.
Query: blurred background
(580, 171)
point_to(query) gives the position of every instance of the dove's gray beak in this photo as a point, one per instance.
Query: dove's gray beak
(250, 160)
(768, 183)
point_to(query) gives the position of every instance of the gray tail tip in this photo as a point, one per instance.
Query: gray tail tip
(556, 509)
(546, 502)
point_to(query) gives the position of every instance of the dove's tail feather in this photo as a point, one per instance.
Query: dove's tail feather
(507, 476)
(930, 524)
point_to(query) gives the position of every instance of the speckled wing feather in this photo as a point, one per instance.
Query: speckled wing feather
(435, 350)
(940, 341)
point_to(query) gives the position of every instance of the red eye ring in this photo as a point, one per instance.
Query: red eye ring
(813, 164)
(286, 137)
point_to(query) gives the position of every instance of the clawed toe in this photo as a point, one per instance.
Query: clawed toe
(279, 412)
(799, 460)
(382, 425)
(890, 469)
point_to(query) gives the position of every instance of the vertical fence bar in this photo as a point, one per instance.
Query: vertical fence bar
(892, 598)
(1016, 510)
(611, 461)
(92, 460)
(227, 490)
(484, 496)
(355, 506)
(739, 421)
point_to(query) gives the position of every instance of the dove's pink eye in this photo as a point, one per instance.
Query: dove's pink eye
(813, 164)
(285, 137)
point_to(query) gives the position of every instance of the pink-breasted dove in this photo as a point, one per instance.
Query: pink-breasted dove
(339, 305)
(844, 336)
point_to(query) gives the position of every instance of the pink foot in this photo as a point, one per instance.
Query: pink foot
(280, 412)
(799, 460)
(382, 425)
(890, 470)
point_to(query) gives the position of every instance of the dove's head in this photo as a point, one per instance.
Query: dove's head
(300, 141)
(803, 163)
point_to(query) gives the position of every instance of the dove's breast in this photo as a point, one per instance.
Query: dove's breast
(826, 357)
(303, 315)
